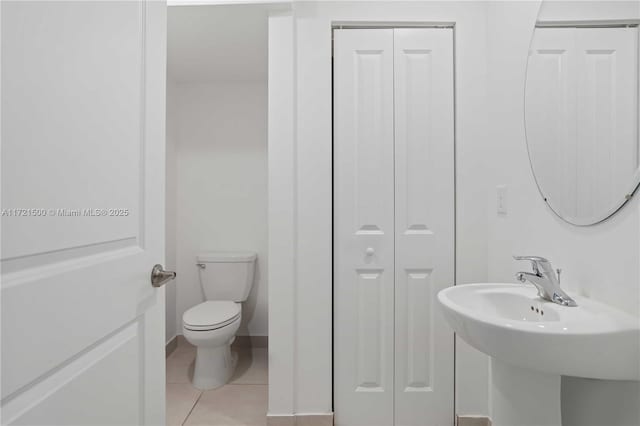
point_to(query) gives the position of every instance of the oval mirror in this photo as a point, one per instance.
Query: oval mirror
(581, 107)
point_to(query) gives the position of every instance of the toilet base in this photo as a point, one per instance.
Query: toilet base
(214, 362)
(214, 367)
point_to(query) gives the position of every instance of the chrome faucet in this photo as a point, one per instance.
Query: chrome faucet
(545, 279)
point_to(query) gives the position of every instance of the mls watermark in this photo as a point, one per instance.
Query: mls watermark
(65, 212)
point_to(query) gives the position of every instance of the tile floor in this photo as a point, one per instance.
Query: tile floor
(241, 402)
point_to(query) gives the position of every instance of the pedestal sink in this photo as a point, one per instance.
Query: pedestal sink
(533, 342)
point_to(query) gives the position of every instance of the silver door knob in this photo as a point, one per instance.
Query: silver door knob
(159, 276)
(370, 251)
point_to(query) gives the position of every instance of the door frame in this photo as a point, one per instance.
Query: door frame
(336, 25)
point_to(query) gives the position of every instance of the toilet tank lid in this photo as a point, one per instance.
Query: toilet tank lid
(226, 256)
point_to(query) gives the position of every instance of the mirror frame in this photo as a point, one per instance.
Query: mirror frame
(631, 189)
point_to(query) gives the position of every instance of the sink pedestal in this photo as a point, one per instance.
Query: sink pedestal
(522, 397)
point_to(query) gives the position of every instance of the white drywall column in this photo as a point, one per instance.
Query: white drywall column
(300, 303)
(282, 214)
(314, 298)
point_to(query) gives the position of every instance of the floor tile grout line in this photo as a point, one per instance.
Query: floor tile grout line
(178, 358)
(246, 384)
(192, 408)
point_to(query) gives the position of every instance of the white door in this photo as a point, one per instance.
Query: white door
(363, 227)
(424, 218)
(393, 226)
(83, 88)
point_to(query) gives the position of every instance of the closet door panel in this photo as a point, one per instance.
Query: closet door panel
(424, 224)
(363, 227)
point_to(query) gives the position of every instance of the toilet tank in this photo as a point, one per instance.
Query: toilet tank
(226, 275)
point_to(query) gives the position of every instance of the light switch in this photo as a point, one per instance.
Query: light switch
(501, 199)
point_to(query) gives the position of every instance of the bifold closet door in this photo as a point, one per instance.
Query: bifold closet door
(393, 226)
(424, 219)
(363, 227)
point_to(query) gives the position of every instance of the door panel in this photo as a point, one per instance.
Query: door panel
(369, 360)
(54, 81)
(424, 215)
(102, 384)
(82, 212)
(416, 359)
(363, 223)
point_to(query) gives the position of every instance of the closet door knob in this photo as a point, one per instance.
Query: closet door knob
(369, 251)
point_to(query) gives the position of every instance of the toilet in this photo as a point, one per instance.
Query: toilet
(226, 279)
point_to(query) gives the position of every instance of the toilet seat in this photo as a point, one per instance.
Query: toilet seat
(211, 315)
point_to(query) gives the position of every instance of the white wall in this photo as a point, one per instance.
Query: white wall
(601, 261)
(171, 328)
(491, 46)
(282, 214)
(221, 186)
(304, 380)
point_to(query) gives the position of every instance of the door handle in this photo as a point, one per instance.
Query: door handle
(159, 276)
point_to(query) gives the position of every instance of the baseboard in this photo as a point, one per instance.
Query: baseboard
(251, 341)
(239, 342)
(300, 420)
(171, 346)
(473, 421)
(327, 420)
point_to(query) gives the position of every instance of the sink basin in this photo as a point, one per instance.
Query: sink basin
(512, 324)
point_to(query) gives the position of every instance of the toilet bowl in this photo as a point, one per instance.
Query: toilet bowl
(211, 326)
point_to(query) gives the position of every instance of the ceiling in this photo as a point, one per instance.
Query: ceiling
(217, 43)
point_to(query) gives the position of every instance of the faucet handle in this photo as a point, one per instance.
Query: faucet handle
(536, 259)
(536, 262)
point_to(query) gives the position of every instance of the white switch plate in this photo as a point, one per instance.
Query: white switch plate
(501, 199)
